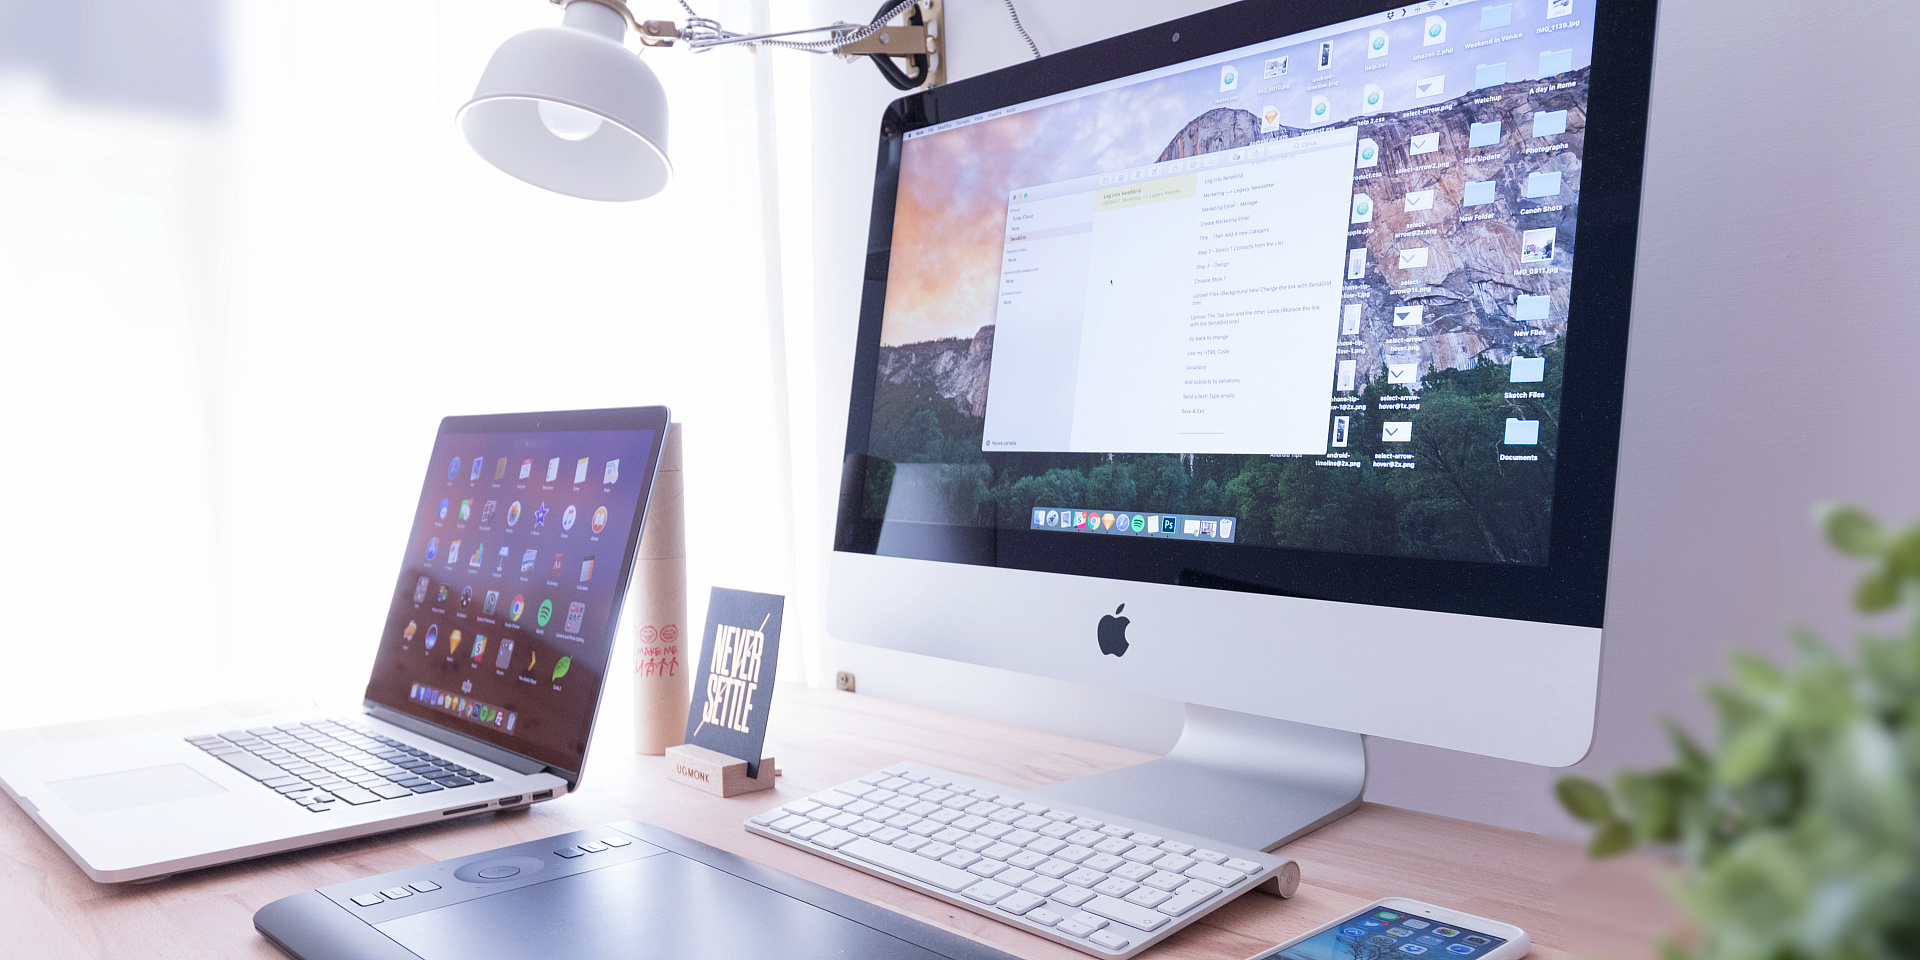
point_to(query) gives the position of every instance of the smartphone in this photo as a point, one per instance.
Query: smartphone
(1399, 929)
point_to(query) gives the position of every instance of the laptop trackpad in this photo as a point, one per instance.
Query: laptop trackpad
(662, 906)
(106, 792)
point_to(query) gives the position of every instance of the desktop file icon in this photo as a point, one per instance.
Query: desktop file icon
(553, 469)
(580, 471)
(586, 569)
(612, 472)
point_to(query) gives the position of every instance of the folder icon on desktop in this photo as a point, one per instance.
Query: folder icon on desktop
(1543, 184)
(1495, 17)
(1532, 307)
(1521, 433)
(1556, 61)
(1490, 74)
(1527, 370)
(1478, 193)
(1549, 123)
(1483, 134)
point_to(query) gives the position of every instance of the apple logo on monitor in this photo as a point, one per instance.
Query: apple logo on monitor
(1113, 633)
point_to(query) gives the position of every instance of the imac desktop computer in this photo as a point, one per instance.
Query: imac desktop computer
(1268, 360)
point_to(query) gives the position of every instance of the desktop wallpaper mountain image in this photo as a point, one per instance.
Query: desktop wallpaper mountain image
(1458, 501)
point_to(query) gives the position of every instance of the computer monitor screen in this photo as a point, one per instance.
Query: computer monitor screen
(1302, 315)
(502, 620)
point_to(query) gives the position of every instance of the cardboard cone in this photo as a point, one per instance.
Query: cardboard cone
(662, 673)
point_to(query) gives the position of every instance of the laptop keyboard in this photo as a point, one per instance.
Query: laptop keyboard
(325, 764)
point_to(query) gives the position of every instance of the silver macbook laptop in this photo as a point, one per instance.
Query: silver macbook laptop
(483, 692)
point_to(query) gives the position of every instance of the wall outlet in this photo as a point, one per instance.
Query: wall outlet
(843, 681)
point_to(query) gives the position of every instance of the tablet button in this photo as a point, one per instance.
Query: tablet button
(497, 873)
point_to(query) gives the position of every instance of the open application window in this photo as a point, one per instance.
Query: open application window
(1213, 283)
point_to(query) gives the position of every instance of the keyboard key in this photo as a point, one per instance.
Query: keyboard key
(787, 823)
(1147, 897)
(1074, 928)
(1113, 845)
(1145, 854)
(1073, 896)
(1086, 838)
(1005, 815)
(961, 859)
(835, 839)
(809, 830)
(1174, 863)
(355, 795)
(1166, 881)
(988, 892)
(891, 834)
(1026, 860)
(801, 807)
(253, 766)
(1218, 876)
(1109, 939)
(1133, 871)
(1043, 917)
(846, 820)
(449, 783)
(945, 816)
(1055, 869)
(1019, 902)
(391, 792)
(936, 850)
(1147, 839)
(1247, 867)
(862, 807)
(1102, 863)
(1074, 854)
(927, 828)
(970, 823)
(832, 798)
(769, 817)
(1185, 900)
(428, 787)
(987, 868)
(1060, 816)
(953, 836)
(1210, 856)
(1031, 822)
(865, 828)
(999, 851)
(1014, 876)
(1115, 887)
(1083, 877)
(1046, 845)
(1088, 823)
(1090, 920)
(908, 842)
(911, 865)
(1043, 886)
(1176, 848)
(998, 830)
(975, 843)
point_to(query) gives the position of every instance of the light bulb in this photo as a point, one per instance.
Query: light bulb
(568, 123)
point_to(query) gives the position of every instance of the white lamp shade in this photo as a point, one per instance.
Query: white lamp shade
(581, 66)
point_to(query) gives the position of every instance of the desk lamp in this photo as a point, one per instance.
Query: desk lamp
(571, 109)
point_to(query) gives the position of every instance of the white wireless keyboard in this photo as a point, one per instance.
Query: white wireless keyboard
(1109, 885)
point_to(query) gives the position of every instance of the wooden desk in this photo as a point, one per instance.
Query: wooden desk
(821, 738)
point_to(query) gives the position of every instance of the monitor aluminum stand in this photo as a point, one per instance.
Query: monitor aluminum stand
(1253, 781)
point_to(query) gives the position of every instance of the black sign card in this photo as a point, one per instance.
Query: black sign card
(734, 689)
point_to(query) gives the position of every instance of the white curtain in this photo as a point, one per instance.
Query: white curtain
(229, 338)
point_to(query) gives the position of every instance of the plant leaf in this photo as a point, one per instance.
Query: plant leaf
(1877, 591)
(1585, 800)
(1612, 840)
(1850, 530)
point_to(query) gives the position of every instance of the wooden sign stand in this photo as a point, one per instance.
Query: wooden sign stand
(715, 772)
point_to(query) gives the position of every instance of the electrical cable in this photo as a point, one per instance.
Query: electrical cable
(1024, 35)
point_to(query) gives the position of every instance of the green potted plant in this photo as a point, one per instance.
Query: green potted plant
(1798, 832)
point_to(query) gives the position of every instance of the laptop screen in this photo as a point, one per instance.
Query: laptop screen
(503, 618)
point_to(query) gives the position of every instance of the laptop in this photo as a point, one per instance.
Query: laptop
(483, 690)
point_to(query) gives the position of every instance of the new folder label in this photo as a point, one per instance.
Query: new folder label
(734, 689)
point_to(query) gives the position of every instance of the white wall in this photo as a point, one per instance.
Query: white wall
(1773, 341)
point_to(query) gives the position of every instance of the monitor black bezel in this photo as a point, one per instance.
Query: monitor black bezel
(655, 419)
(1569, 589)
